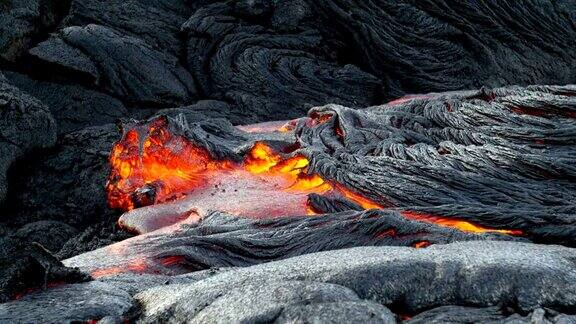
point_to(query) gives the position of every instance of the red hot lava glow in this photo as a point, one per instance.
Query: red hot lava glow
(151, 165)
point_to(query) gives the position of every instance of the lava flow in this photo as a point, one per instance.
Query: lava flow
(153, 165)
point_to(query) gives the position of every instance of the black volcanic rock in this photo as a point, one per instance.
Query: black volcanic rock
(436, 45)
(73, 107)
(26, 266)
(95, 236)
(155, 21)
(266, 72)
(67, 184)
(25, 124)
(50, 234)
(23, 21)
(204, 109)
(125, 65)
(92, 300)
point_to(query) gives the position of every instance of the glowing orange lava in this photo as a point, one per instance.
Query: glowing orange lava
(134, 266)
(455, 223)
(421, 244)
(151, 165)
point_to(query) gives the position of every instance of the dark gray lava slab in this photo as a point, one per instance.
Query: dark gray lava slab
(109, 299)
(255, 302)
(337, 312)
(464, 314)
(155, 21)
(125, 65)
(74, 107)
(25, 124)
(68, 183)
(22, 21)
(67, 303)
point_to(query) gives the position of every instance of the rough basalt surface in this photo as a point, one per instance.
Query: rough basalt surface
(221, 240)
(28, 267)
(440, 45)
(25, 125)
(123, 65)
(526, 281)
(235, 54)
(501, 157)
(74, 107)
(22, 22)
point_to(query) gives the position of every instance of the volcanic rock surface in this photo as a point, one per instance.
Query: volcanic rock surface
(234, 137)
(349, 284)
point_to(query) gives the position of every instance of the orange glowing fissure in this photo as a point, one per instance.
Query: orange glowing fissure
(166, 166)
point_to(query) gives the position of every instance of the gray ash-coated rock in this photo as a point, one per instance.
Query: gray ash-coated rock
(484, 273)
(505, 281)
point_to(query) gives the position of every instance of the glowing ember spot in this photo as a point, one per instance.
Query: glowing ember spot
(455, 223)
(542, 113)
(421, 244)
(135, 266)
(173, 260)
(339, 133)
(387, 233)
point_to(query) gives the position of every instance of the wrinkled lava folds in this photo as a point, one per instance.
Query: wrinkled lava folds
(159, 176)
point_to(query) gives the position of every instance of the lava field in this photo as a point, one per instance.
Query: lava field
(297, 161)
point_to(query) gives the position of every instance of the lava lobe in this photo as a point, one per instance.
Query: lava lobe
(161, 177)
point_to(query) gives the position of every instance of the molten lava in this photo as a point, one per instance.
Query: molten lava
(152, 165)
